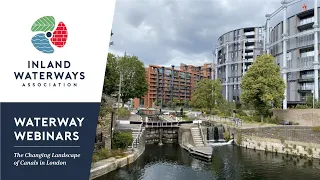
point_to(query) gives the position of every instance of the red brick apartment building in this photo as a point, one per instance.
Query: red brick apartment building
(169, 83)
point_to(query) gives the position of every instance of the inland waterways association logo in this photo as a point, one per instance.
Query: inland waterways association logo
(58, 37)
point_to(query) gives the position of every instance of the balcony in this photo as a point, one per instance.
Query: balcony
(251, 33)
(307, 40)
(306, 23)
(304, 90)
(304, 80)
(249, 47)
(305, 63)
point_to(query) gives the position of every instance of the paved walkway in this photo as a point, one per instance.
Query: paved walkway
(134, 117)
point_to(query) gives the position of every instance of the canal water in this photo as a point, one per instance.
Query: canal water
(171, 162)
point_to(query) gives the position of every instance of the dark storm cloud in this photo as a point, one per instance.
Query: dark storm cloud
(168, 32)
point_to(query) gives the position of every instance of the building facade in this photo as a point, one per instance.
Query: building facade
(293, 42)
(171, 84)
(301, 55)
(235, 52)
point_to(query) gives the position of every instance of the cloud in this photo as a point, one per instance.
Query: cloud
(170, 32)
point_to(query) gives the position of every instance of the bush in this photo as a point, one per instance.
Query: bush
(100, 155)
(123, 112)
(105, 154)
(121, 140)
(316, 129)
(303, 106)
(241, 113)
(104, 110)
(226, 136)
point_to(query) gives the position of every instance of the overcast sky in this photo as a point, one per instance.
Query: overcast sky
(170, 32)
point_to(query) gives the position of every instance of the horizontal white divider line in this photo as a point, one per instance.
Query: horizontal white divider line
(46, 146)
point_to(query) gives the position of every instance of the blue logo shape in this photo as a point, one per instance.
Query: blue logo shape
(41, 43)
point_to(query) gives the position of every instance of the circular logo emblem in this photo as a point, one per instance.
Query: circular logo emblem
(49, 33)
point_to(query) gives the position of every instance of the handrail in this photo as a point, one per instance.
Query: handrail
(202, 137)
(138, 136)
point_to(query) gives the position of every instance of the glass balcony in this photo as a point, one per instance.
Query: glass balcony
(249, 47)
(249, 33)
(306, 21)
(305, 62)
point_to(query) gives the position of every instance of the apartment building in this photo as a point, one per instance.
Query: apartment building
(235, 52)
(167, 84)
(301, 64)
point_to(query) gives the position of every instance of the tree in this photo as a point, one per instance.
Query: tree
(134, 84)
(207, 94)
(112, 77)
(133, 81)
(262, 86)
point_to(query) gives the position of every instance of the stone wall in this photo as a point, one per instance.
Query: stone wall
(104, 127)
(185, 137)
(296, 140)
(103, 167)
(306, 117)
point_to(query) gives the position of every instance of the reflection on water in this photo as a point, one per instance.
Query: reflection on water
(170, 162)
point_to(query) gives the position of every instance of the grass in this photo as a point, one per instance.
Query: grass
(105, 154)
(316, 129)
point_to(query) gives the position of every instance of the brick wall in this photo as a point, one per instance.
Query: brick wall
(306, 117)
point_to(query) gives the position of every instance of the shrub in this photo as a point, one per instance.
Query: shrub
(303, 106)
(241, 113)
(100, 155)
(105, 154)
(226, 136)
(316, 129)
(239, 139)
(123, 112)
(121, 140)
(105, 110)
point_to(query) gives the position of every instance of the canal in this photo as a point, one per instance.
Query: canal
(171, 162)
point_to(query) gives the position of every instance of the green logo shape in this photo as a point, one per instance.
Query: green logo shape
(44, 24)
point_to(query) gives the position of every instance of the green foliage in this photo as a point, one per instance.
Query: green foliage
(102, 154)
(226, 136)
(104, 110)
(262, 86)
(302, 106)
(310, 151)
(207, 94)
(239, 138)
(133, 81)
(123, 112)
(121, 140)
(316, 129)
(226, 108)
(111, 77)
(309, 100)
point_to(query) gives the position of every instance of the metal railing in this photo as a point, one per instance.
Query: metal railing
(136, 140)
(202, 136)
(162, 124)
